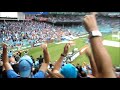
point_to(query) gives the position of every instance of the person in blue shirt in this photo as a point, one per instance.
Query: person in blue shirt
(68, 70)
(25, 65)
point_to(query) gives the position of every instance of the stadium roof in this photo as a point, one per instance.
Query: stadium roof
(36, 13)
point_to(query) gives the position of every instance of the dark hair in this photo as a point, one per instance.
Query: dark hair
(40, 55)
(35, 71)
(51, 65)
(83, 74)
(15, 67)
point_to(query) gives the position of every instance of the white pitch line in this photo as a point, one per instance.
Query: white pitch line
(111, 43)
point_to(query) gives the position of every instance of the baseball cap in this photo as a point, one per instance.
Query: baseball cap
(69, 71)
(25, 66)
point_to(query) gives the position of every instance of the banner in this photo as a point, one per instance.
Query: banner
(25, 47)
(37, 44)
(21, 48)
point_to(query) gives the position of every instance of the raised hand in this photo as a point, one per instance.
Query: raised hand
(71, 43)
(66, 49)
(90, 22)
(88, 51)
(44, 46)
(82, 51)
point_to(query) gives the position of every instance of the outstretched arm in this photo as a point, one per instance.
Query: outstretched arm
(101, 56)
(57, 65)
(88, 53)
(55, 75)
(45, 64)
(6, 63)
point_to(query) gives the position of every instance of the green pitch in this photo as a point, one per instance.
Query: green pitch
(56, 49)
(109, 37)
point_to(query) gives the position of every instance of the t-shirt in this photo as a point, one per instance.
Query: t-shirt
(15, 68)
(41, 60)
(13, 74)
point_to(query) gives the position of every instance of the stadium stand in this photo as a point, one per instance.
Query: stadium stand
(36, 29)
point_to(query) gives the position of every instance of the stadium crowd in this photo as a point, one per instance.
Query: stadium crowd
(109, 22)
(64, 18)
(17, 33)
(17, 66)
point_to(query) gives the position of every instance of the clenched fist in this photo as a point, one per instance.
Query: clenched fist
(66, 49)
(90, 22)
(44, 46)
(86, 50)
(71, 43)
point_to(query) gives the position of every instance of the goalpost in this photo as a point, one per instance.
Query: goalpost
(116, 34)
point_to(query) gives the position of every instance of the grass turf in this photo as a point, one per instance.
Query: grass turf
(56, 49)
(109, 37)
